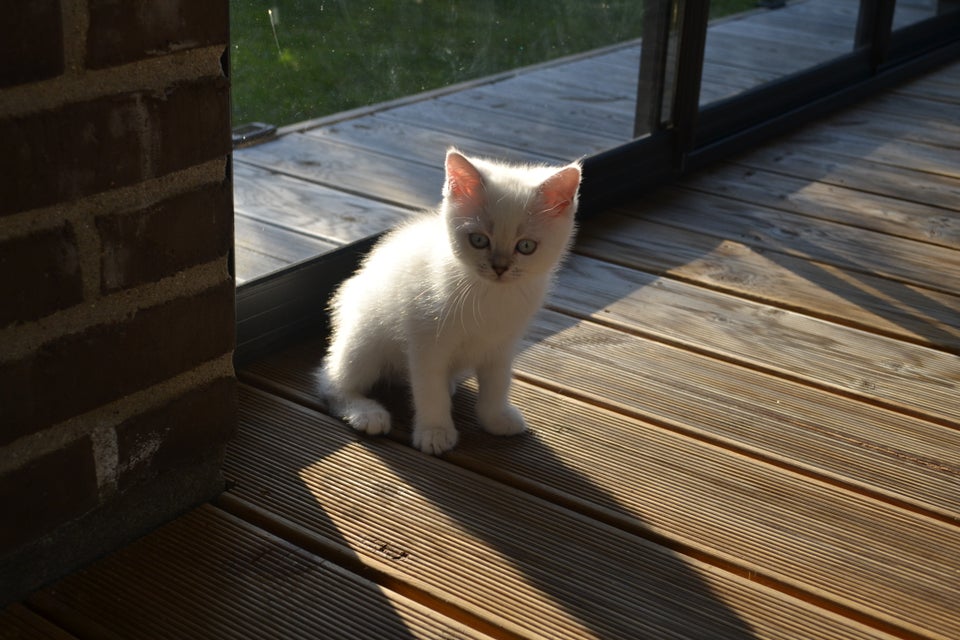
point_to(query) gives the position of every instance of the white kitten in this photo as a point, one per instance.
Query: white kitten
(449, 294)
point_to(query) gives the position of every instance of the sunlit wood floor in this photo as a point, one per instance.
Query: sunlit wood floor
(745, 424)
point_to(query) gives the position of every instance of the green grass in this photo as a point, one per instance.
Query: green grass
(325, 56)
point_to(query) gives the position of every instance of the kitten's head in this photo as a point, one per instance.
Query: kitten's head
(509, 222)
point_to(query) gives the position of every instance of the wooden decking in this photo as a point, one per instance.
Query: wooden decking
(745, 424)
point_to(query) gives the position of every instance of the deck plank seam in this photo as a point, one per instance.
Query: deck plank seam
(694, 189)
(752, 453)
(329, 560)
(299, 231)
(773, 302)
(376, 571)
(772, 168)
(505, 145)
(328, 184)
(429, 126)
(849, 394)
(786, 251)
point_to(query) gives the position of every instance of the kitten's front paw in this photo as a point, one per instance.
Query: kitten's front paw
(505, 421)
(434, 440)
(368, 417)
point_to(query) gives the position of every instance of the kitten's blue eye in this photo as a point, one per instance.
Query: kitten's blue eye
(478, 241)
(526, 247)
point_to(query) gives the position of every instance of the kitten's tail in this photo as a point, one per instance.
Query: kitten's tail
(363, 414)
(326, 390)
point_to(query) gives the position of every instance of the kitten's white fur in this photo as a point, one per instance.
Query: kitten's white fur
(431, 304)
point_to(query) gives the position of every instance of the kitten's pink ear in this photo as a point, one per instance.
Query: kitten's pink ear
(464, 184)
(559, 191)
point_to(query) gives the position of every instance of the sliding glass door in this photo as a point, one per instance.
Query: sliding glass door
(642, 90)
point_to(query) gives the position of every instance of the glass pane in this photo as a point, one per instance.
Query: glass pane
(775, 40)
(297, 60)
(535, 81)
(908, 12)
(368, 96)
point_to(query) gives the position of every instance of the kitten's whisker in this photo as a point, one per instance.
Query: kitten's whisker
(477, 309)
(445, 312)
(468, 294)
(455, 304)
(461, 303)
(456, 301)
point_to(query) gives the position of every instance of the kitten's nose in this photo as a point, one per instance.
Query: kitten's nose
(500, 262)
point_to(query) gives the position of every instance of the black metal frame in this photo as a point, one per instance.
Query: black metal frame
(678, 137)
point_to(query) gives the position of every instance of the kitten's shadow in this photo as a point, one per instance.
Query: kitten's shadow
(653, 584)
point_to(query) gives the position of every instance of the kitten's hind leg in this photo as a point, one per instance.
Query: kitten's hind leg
(360, 412)
(365, 415)
(345, 394)
(457, 379)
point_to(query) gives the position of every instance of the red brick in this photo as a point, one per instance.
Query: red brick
(183, 231)
(190, 123)
(47, 492)
(31, 42)
(39, 274)
(125, 30)
(84, 148)
(182, 433)
(82, 371)
(56, 155)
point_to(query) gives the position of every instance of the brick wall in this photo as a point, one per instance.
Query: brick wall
(116, 295)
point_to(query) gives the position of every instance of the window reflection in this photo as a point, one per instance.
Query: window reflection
(908, 12)
(299, 59)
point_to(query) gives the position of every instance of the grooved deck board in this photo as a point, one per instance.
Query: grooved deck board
(372, 175)
(260, 242)
(903, 376)
(855, 250)
(498, 125)
(17, 622)
(477, 541)
(733, 265)
(738, 406)
(824, 165)
(913, 112)
(910, 461)
(874, 212)
(414, 142)
(311, 209)
(901, 152)
(900, 141)
(211, 575)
